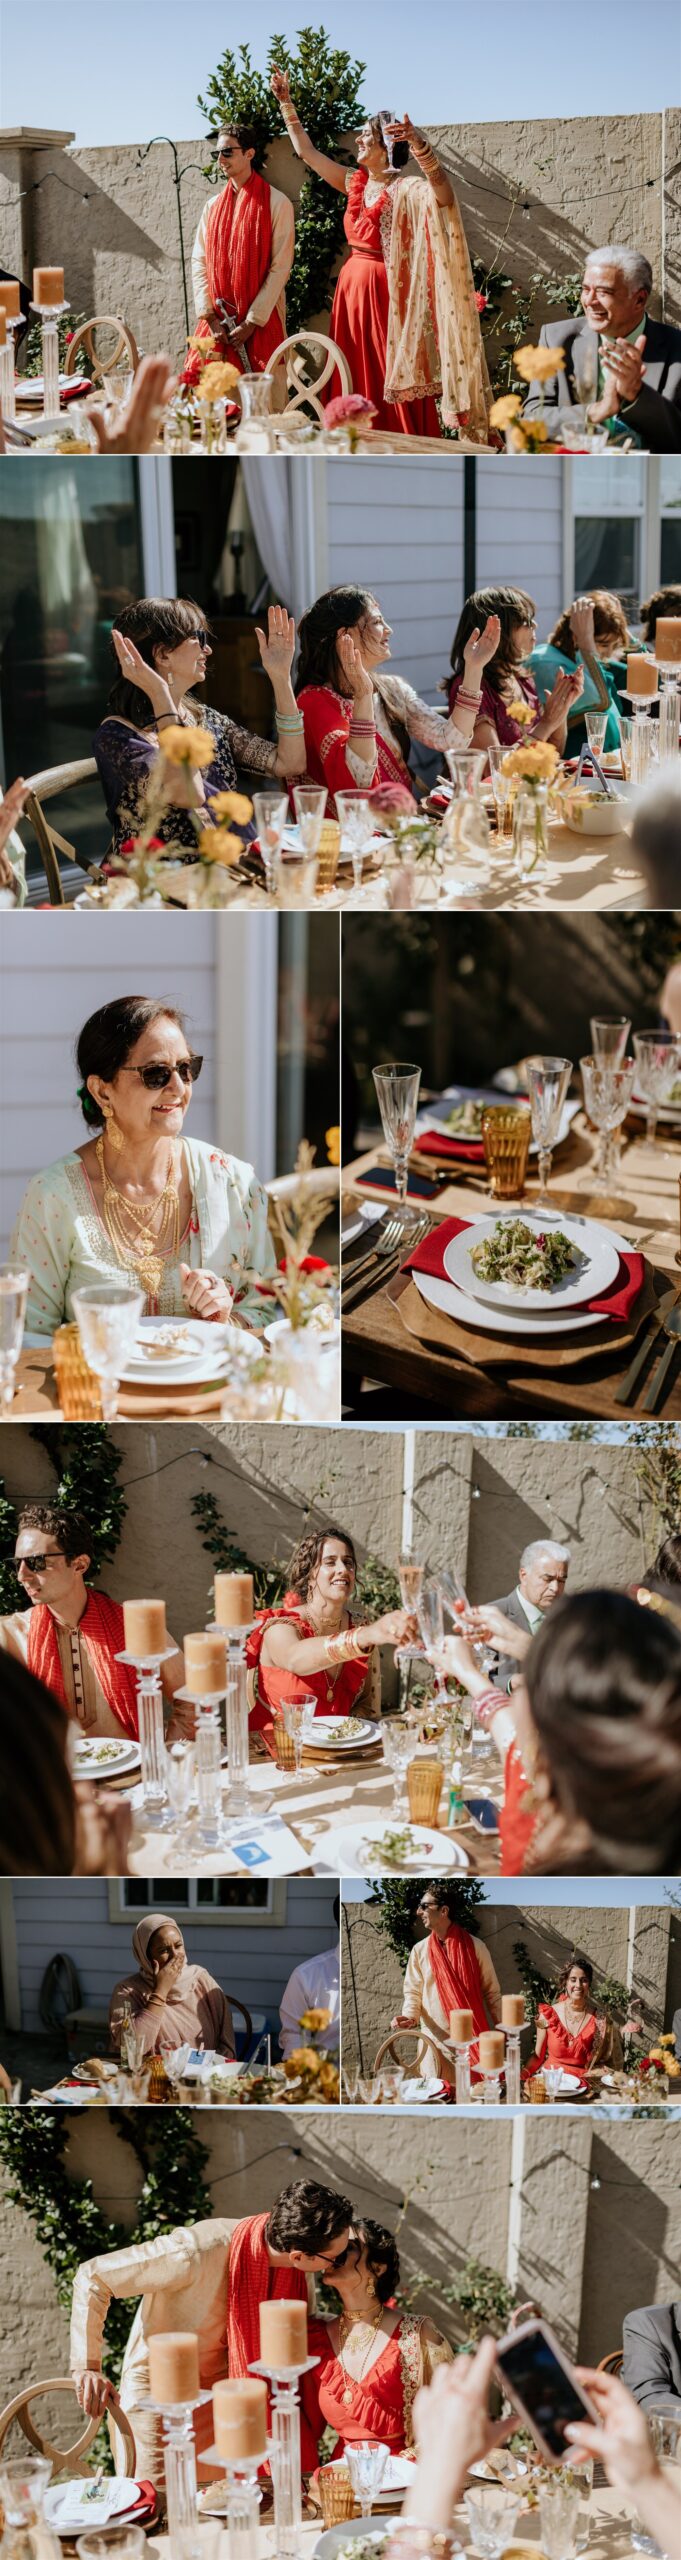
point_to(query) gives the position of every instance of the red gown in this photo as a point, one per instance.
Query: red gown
(359, 319)
(335, 1691)
(375, 2409)
(563, 2051)
(517, 1818)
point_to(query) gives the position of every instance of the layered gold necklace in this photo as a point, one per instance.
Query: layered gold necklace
(366, 2328)
(155, 1226)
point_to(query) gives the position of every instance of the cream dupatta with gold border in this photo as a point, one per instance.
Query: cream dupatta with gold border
(434, 342)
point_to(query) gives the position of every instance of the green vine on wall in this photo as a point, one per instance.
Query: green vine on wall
(86, 1464)
(326, 88)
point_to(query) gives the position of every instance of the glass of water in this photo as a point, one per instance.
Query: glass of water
(356, 826)
(366, 2465)
(309, 801)
(596, 725)
(107, 1314)
(492, 2517)
(13, 1295)
(559, 2505)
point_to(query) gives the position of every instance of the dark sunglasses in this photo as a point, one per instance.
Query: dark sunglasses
(157, 1077)
(342, 2260)
(36, 1564)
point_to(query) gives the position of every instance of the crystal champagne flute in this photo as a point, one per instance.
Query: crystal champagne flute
(397, 1089)
(271, 812)
(547, 1082)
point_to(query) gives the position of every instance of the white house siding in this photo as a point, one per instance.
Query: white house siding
(397, 527)
(72, 1918)
(520, 530)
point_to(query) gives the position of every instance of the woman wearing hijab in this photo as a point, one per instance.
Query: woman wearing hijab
(169, 2001)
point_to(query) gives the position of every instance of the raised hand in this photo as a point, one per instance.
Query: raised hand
(582, 624)
(277, 647)
(152, 388)
(482, 645)
(280, 86)
(357, 677)
(135, 670)
(402, 130)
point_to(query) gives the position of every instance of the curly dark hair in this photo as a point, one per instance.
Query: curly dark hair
(308, 1555)
(584, 1967)
(69, 1528)
(307, 2216)
(667, 1566)
(664, 600)
(382, 2256)
(603, 1679)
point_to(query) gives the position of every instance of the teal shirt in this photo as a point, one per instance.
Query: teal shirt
(545, 664)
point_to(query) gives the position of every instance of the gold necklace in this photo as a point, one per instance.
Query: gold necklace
(156, 1223)
(345, 2328)
(332, 1677)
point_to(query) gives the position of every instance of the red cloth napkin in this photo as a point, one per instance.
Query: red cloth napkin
(616, 1302)
(468, 1150)
(143, 2509)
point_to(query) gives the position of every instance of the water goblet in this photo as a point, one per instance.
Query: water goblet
(658, 1058)
(596, 725)
(559, 2503)
(297, 1718)
(366, 2465)
(492, 2517)
(608, 1087)
(399, 1744)
(397, 1090)
(609, 1035)
(107, 1314)
(547, 1083)
(356, 826)
(13, 1295)
(309, 801)
(271, 812)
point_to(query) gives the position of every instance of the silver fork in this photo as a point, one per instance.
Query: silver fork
(386, 1252)
(376, 1238)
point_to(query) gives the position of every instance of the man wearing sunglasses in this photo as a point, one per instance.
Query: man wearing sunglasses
(242, 257)
(211, 2279)
(70, 1635)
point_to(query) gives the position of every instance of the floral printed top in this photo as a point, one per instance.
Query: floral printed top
(60, 1240)
(125, 757)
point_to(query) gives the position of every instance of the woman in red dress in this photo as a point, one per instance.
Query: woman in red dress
(373, 2358)
(404, 311)
(571, 2035)
(309, 1647)
(359, 721)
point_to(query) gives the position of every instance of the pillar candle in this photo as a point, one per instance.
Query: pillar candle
(642, 678)
(205, 1665)
(512, 2009)
(461, 2026)
(48, 286)
(234, 1599)
(240, 2416)
(492, 2051)
(10, 298)
(283, 2334)
(174, 2367)
(667, 635)
(144, 1623)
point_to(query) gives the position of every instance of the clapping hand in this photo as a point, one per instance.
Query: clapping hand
(482, 646)
(625, 364)
(563, 693)
(278, 647)
(357, 677)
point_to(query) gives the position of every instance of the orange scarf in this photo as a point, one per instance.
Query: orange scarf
(456, 1974)
(101, 1628)
(251, 2281)
(238, 258)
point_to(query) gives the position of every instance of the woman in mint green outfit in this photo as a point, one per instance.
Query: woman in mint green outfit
(592, 633)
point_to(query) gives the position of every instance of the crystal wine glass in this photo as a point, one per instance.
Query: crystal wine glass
(559, 2502)
(366, 2465)
(596, 724)
(658, 1058)
(297, 1717)
(608, 1087)
(609, 1035)
(399, 1744)
(411, 1582)
(585, 369)
(271, 812)
(547, 1082)
(492, 2516)
(13, 1295)
(356, 826)
(309, 801)
(107, 1314)
(397, 1089)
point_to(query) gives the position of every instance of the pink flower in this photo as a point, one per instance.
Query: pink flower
(394, 799)
(70, 335)
(481, 302)
(351, 410)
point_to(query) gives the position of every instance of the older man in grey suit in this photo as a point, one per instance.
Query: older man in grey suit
(635, 361)
(652, 2357)
(510, 1624)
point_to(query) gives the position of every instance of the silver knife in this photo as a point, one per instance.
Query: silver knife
(627, 1384)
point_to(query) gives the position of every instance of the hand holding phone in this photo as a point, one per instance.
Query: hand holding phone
(543, 2387)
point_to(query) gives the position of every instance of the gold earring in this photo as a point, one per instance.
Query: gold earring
(114, 1135)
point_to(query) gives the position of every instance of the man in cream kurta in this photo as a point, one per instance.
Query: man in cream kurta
(236, 165)
(52, 1570)
(422, 2005)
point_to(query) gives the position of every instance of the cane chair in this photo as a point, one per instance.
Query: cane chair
(73, 2460)
(303, 384)
(48, 786)
(612, 2363)
(387, 2050)
(125, 347)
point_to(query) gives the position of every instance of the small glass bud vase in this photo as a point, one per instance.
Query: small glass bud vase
(530, 827)
(213, 426)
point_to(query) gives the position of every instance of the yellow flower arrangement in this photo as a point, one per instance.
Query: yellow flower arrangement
(313, 2020)
(532, 763)
(234, 805)
(303, 2061)
(217, 845)
(504, 410)
(522, 712)
(668, 2040)
(332, 1137)
(329, 2083)
(180, 745)
(217, 381)
(538, 364)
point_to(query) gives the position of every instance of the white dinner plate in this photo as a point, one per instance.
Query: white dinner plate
(204, 1352)
(336, 2537)
(68, 2510)
(421, 2093)
(568, 2083)
(508, 1321)
(102, 1757)
(331, 1731)
(596, 1267)
(347, 1849)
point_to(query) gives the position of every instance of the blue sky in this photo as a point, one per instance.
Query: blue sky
(125, 74)
(607, 1892)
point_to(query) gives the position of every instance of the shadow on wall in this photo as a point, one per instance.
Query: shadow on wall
(97, 224)
(622, 2202)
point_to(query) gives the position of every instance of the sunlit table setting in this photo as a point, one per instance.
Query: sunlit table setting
(610, 2516)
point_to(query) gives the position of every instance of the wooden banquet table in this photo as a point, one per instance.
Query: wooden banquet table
(582, 872)
(334, 1793)
(36, 1398)
(611, 2519)
(389, 1335)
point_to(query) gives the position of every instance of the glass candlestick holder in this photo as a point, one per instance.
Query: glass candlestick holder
(179, 2464)
(244, 2497)
(8, 381)
(241, 1802)
(208, 1747)
(151, 1733)
(642, 736)
(462, 2073)
(284, 2453)
(513, 2082)
(670, 709)
(49, 315)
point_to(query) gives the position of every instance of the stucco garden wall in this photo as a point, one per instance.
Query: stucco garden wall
(372, 1977)
(547, 189)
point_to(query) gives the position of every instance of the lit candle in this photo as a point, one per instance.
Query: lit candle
(205, 1665)
(233, 1599)
(283, 2335)
(667, 637)
(240, 2419)
(9, 298)
(492, 2051)
(461, 2026)
(642, 678)
(174, 2368)
(48, 287)
(512, 2009)
(144, 1623)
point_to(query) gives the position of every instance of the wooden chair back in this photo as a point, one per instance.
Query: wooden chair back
(125, 346)
(305, 377)
(73, 2460)
(411, 2035)
(53, 847)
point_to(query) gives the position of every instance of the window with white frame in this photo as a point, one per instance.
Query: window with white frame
(608, 526)
(225, 1901)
